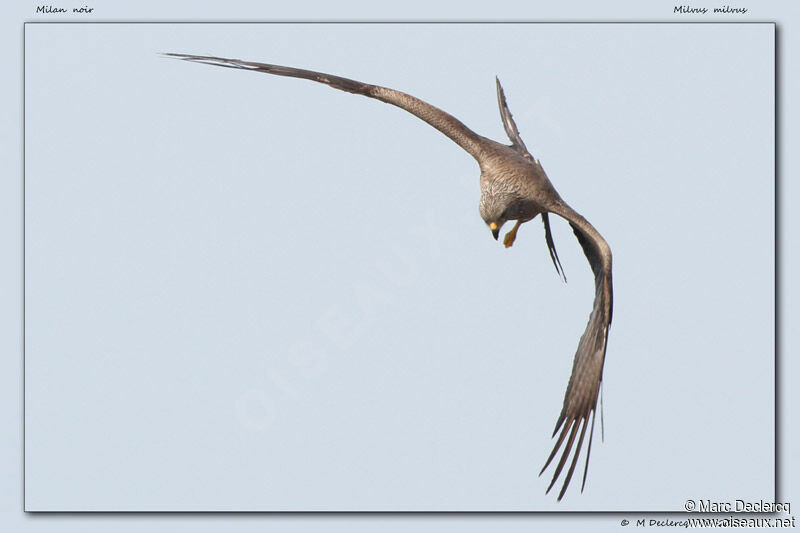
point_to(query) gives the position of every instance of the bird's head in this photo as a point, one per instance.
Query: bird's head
(495, 210)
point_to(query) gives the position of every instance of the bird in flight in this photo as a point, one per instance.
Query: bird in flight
(514, 187)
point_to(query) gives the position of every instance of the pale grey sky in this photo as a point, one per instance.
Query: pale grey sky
(249, 292)
(282, 296)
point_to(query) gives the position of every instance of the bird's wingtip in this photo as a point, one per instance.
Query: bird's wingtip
(172, 55)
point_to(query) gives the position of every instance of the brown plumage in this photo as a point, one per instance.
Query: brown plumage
(514, 186)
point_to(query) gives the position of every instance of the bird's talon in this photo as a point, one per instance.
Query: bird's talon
(511, 236)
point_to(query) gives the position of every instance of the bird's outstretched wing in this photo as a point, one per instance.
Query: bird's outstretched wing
(517, 144)
(467, 139)
(580, 400)
(509, 125)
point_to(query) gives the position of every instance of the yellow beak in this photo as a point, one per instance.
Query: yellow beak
(495, 230)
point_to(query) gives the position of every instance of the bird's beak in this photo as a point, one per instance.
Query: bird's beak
(495, 230)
